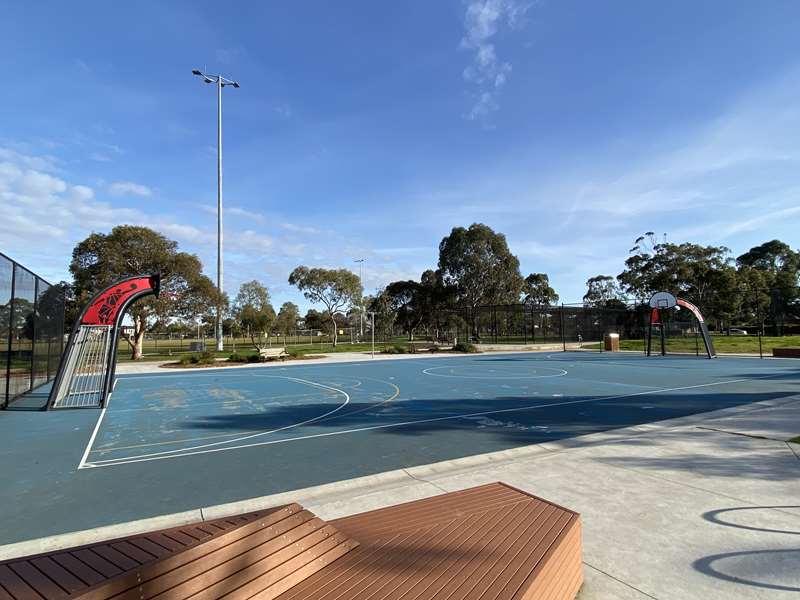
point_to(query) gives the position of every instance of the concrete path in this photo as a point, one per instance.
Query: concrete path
(706, 506)
(673, 510)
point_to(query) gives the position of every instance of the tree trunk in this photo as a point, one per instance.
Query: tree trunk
(255, 344)
(137, 343)
(335, 331)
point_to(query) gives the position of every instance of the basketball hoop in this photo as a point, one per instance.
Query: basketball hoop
(663, 300)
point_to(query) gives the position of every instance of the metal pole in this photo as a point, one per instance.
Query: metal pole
(11, 306)
(759, 318)
(219, 214)
(360, 262)
(372, 315)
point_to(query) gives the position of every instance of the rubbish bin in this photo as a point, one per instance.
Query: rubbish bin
(611, 342)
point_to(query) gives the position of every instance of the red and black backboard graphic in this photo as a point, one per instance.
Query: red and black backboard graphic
(105, 308)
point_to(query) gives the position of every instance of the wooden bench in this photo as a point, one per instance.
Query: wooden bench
(276, 352)
(491, 541)
(786, 352)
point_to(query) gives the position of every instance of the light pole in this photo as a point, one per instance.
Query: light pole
(220, 82)
(360, 262)
(372, 315)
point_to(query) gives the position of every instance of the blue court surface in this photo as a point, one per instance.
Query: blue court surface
(186, 439)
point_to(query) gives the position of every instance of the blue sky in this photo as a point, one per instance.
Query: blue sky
(370, 129)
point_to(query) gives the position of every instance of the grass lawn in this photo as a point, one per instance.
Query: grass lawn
(724, 344)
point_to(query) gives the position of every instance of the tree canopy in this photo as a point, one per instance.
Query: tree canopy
(536, 290)
(101, 259)
(602, 291)
(335, 289)
(253, 310)
(478, 265)
(288, 316)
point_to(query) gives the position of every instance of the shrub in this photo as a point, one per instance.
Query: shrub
(294, 353)
(396, 349)
(465, 347)
(198, 358)
(254, 358)
(236, 357)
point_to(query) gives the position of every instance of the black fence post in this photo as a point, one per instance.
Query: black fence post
(10, 332)
(563, 333)
(760, 320)
(33, 329)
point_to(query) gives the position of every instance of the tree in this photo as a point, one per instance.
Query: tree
(537, 291)
(779, 267)
(478, 265)
(253, 310)
(602, 291)
(385, 315)
(335, 289)
(314, 320)
(101, 259)
(288, 316)
(405, 299)
(701, 274)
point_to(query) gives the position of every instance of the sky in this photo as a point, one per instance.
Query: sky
(368, 129)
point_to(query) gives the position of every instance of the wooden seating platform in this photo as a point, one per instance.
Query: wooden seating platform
(493, 541)
(788, 352)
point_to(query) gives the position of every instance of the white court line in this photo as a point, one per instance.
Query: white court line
(561, 373)
(379, 402)
(147, 458)
(88, 449)
(163, 454)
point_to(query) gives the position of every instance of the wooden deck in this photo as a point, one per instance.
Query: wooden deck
(490, 542)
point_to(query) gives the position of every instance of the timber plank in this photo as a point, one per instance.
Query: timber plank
(464, 574)
(144, 576)
(78, 568)
(59, 574)
(16, 586)
(97, 562)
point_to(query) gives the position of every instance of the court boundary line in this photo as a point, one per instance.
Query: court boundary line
(96, 428)
(149, 458)
(561, 374)
(217, 436)
(246, 437)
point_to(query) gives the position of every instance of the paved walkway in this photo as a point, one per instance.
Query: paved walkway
(706, 506)
(699, 507)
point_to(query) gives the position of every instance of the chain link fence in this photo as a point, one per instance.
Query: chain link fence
(31, 334)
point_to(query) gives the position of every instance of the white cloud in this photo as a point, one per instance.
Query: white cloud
(39, 163)
(129, 188)
(242, 212)
(82, 192)
(482, 22)
(300, 228)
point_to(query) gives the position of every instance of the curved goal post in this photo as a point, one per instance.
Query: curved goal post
(86, 374)
(661, 301)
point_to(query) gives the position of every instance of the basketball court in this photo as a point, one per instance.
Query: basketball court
(186, 439)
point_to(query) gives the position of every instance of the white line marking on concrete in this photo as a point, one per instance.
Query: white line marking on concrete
(112, 462)
(561, 373)
(163, 454)
(83, 464)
